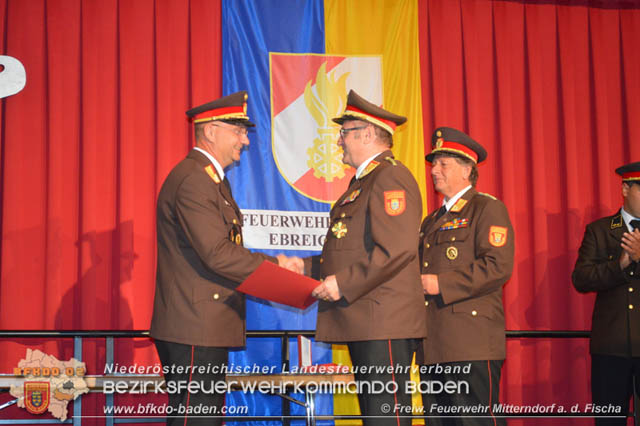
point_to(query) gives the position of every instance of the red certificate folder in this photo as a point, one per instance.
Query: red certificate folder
(271, 282)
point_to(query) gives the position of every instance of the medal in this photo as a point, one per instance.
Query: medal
(339, 229)
(452, 253)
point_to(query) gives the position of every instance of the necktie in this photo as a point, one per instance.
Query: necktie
(442, 211)
(635, 224)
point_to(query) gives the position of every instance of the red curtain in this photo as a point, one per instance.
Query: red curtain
(85, 148)
(550, 88)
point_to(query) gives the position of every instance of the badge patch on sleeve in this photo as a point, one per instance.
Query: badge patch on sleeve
(497, 236)
(394, 202)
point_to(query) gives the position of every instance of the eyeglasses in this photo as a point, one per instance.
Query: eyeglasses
(240, 131)
(344, 132)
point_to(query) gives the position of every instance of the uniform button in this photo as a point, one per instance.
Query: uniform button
(235, 221)
(321, 260)
(426, 264)
(343, 215)
(426, 303)
(453, 238)
(474, 313)
(630, 289)
(630, 306)
(631, 273)
(216, 296)
(427, 245)
(421, 234)
(610, 256)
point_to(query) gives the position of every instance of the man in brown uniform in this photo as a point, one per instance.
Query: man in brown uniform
(467, 252)
(197, 314)
(608, 264)
(371, 294)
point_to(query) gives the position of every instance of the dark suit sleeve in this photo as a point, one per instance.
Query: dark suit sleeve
(492, 265)
(199, 212)
(395, 238)
(312, 266)
(594, 271)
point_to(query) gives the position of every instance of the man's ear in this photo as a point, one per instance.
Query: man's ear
(209, 131)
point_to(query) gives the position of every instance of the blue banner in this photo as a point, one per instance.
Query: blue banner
(278, 216)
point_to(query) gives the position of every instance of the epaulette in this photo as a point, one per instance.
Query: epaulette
(487, 195)
(616, 221)
(391, 160)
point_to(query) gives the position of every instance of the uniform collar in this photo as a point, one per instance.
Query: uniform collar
(627, 218)
(452, 200)
(364, 165)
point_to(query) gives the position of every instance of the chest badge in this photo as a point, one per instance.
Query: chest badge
(339, 229)
(351, 197)
(452, 253)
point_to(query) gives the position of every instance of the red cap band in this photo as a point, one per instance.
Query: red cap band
(455, 146)
(631, 176)
(382, 121)
(221, 112)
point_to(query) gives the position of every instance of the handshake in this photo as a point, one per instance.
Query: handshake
(294, 263)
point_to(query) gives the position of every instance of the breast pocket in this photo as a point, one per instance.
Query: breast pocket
(454, 246)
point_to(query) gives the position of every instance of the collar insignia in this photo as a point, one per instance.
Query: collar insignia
(370, 167)
(616, 221)
(458, 205)
(212, 173)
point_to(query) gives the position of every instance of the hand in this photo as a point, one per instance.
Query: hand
(328, 290)
(293, 264)
(631, 245)
(430, 284)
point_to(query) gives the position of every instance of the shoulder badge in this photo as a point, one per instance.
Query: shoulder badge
(458, 205)
(497, 236)
(616, 221)
(370, 167)
(212, 173)
(394, 202)
(487, 195)
(391, 160)
(351, 197)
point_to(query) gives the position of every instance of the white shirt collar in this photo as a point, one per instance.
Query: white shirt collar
(452, 200)
(215, 163)
(364, 165)
(626, 216)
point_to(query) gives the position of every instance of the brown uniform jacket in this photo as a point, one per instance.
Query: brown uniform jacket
(200, 259)
(471, 250)
(616, 314)
(371, 247)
